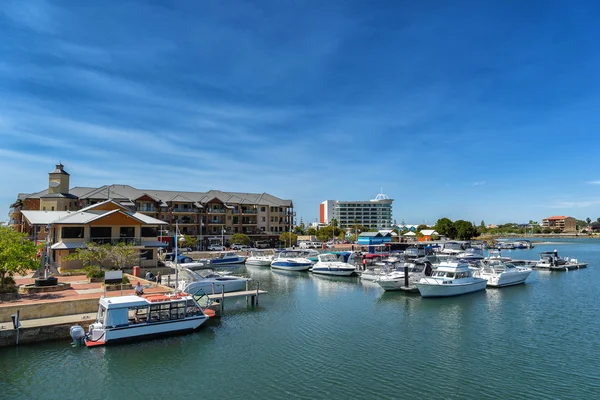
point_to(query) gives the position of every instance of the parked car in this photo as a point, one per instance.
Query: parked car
(216, 247)
(237, 246)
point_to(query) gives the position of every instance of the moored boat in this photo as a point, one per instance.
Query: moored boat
(291, 260)
(395, 279)
(329, 264)
(209, 281)
(550, 260)
(499, 274)
(133, 317)
(451, 278)
(226, 258)
(259, 258)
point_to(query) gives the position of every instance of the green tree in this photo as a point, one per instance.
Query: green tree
(421, 227)
(311, 232)
(92, 254)
(123, 255)
(588, 220)
(188, 241)
(240, 238)
(465, 230)
(445, 227)
(288, 239)
(17, 254)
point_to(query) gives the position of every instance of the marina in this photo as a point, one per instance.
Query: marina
(301, 306)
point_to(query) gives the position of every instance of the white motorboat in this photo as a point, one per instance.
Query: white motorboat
(450, 279)
(133, 317)
(551, 261)
(188, 262)
(395, 279)
(498, 273)
(291, 260)
(259, 258)
(471, 254)
(209, 282)
(329, 264)
(497, 255)
(226, 258)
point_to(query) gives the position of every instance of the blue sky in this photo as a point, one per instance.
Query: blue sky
(475, 110)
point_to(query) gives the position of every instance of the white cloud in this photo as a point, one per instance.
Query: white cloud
(478, 183)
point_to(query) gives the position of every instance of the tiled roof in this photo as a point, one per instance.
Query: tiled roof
(126, 192)
(557, 217)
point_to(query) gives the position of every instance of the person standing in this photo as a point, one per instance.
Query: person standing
(159, 278)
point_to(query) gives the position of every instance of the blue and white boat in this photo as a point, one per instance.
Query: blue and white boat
(226, 258)
(291, 260)
(330, 264)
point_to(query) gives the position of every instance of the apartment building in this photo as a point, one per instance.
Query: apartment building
(372, 214)
(565, 224)
(205, 215)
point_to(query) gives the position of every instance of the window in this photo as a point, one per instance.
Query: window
(149, 231)
(100, 232)
(127, 231)
(72, 232)
(52, 208)
(263, 219)
(43, 208)
(262, 209)
(65, 208)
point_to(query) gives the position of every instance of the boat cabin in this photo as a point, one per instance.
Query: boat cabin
(124, 311)
(447, 271)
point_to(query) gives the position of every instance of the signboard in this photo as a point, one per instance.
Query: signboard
(113, 276)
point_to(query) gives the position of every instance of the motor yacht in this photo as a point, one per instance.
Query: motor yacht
(209, 282)
(451, 278)
(291, 260)
(498, 273)
(471, 254)
(330, 264)
(259, 258)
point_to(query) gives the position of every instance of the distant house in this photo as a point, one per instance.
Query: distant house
(594, 227)
(371, 238)
(562, 223)
(427, 234)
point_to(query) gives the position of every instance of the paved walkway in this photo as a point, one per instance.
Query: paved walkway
(80, 289)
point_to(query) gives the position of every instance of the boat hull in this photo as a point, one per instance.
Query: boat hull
(259, 263)
(217, 286)
(290, 266)
(503, 280)
(333, 271)
(216, 263)
(147, 331)
(448, 290)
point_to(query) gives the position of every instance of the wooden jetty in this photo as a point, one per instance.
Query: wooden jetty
(563, 267)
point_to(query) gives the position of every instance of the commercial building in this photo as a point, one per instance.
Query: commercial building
(372, 214)
(211, 216)
(564, 224)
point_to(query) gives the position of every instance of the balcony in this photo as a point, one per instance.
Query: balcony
(249, 211)
(184, 210)
(216, 211)
(147, 209)
(116, 240)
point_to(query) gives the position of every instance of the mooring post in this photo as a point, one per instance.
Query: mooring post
(222, 301)
(405, 274)
(257, 290)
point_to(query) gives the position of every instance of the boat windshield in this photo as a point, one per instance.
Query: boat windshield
(328, 258)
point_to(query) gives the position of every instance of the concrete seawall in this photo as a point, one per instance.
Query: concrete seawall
(57, 329)
(49, 309)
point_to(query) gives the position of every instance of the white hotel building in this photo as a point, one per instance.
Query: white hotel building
(372, 214)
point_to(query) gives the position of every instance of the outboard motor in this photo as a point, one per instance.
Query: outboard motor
(77, 334)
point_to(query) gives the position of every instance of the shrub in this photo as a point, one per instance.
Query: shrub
(125, 280)
(8, 280)
(94, 272)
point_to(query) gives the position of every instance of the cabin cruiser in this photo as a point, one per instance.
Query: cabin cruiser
(226, 258)
(209, 281)
(292, 260)
(497, 255)
(551, 260)
(451, 278)
(471, 254)
(498, 273)
(395, 279)
(330, 264)
(133, 317)
(259, 258)
(453, 248)
(188, 262)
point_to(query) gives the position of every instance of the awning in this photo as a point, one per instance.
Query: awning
(155, 243)
(67, 246)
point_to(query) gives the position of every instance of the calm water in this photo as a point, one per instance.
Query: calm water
(337, 338)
